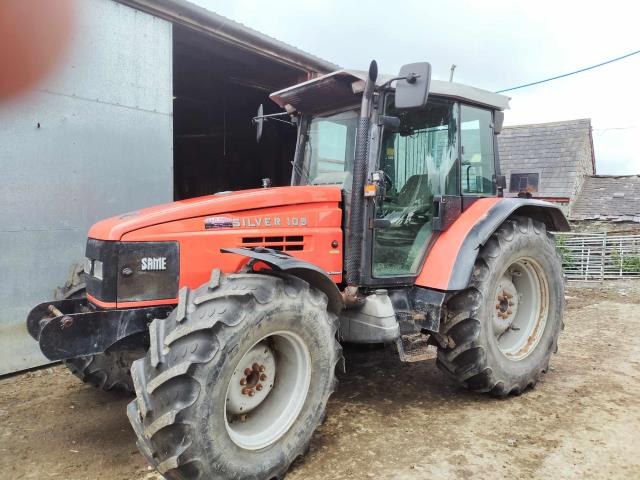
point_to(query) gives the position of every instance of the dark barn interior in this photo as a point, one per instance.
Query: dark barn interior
(217, 90)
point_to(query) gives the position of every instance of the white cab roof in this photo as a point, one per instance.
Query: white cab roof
(339, 86)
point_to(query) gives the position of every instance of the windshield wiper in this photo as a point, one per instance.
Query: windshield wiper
(304, 174)
(300, 170)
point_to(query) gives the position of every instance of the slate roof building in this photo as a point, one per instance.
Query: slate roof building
(549, 160)
(608, 198)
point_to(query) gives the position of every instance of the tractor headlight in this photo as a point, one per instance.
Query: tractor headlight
(97, 269)
(88, 266)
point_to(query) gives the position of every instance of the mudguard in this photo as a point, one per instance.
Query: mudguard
(450, 261)
(307, 271)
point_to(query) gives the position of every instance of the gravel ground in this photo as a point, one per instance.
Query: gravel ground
(388, 419)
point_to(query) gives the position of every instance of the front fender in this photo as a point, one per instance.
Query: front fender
(308, 272)
(450, 261)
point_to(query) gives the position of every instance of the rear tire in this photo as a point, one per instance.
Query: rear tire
(190, 386)
(503, 329)
(108, 371)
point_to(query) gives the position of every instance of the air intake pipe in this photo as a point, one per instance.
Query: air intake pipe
(356, 225)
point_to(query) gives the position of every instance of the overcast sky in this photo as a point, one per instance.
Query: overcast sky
(496, 44)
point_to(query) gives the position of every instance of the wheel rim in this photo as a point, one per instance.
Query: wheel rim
(521, 308)
(267, 390)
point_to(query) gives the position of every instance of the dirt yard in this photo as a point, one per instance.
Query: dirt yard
(388, 419)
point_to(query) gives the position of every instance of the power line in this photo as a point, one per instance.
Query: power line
(570, 73)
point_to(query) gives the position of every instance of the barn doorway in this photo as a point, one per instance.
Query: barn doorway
(217, 89)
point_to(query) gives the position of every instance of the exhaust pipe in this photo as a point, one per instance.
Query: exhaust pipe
(356, 215)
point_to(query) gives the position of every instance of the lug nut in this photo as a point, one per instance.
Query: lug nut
(259, 387)
(255, 367)
(263, 377)
(243, 381)
(511, 304)
(262, 368)
(246, 391)
(251, 393)
(497, 306)
(509, 312)
(247, 371)
(508, 295)
(500, 298)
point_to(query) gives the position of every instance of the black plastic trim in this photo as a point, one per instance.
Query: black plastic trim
(140, 285)
(104, 289)
(309, 272)
(150, 284)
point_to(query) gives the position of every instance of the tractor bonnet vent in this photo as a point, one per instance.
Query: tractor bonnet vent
(287, 244)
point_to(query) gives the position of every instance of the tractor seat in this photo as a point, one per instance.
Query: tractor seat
(407, 213)
(414, 198)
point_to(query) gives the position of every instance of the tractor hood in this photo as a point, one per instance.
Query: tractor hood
(115, 227)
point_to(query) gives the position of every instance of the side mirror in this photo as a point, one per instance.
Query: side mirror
(412, 89)
(259, 122)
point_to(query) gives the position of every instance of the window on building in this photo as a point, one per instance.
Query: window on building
(523, 182)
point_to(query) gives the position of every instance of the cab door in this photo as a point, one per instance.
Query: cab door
(478, 160)
(420, 165)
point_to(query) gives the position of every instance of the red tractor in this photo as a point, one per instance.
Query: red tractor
(394, 230)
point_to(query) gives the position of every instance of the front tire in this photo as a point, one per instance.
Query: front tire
(199, 413)
(503, 329)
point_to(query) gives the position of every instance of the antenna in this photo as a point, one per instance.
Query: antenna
(453, 67)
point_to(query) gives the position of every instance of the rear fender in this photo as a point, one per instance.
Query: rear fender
(450, 261)
(308, 272)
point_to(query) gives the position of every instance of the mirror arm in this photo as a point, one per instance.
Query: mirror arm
(409, 78)
(271, 116)
(281, 121)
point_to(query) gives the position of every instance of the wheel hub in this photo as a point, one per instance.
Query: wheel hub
(521, 308)
(267, 390)
(506, 307)
(252, 380)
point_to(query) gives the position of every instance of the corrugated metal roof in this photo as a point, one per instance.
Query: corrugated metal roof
(608, 197)
(199, 18)
(553, 150)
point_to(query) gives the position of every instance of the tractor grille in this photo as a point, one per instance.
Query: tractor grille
(289, 243)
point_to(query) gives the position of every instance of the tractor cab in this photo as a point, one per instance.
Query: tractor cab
(428, 157)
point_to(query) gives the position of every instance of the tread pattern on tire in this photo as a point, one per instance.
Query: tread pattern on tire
(168, 381)
(108, 371)
(466, 362)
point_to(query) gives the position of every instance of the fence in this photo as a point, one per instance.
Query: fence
(599, 256)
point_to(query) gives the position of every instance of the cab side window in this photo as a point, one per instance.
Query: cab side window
(478, 159)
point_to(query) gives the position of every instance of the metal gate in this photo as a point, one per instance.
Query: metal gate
(599, 256)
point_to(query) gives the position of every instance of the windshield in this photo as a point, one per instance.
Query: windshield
(329, 149)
